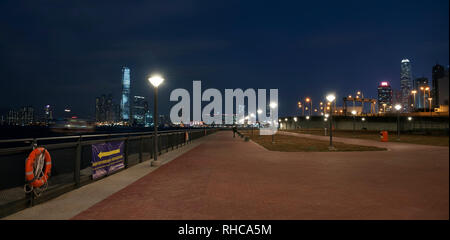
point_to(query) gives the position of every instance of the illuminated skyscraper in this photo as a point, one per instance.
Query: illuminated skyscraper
(438, 73)
(418, 84)
(125, 102)
(105, 109)
(405, 84)
(442, 89)
(26, 115)
(385, 97)
(48, 113)
(148, 120)
(139, 110)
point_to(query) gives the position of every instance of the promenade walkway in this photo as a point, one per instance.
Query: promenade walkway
(226, 178)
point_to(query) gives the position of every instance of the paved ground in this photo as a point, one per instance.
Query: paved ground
(74, 202)
(226, 178)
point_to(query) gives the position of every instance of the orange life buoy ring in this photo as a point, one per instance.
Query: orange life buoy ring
(29, 167)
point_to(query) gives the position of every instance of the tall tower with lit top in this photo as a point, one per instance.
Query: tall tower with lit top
(405, 84)
(125, 101)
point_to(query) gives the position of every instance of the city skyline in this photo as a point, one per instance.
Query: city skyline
(297, 57)
(414, 84)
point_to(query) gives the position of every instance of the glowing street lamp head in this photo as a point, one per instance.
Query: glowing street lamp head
(307, 117)
(156, 80)
(354, 112)
(398, 107)
(409, 118)
(307, 99)
(331, 97)
(413, 91)
(295, 119)
(259, 111)
(273, 105)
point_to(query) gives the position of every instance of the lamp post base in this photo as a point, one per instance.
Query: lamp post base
(331, 148)
(156, 163)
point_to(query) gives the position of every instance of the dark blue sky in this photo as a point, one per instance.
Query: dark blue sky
(65, 53)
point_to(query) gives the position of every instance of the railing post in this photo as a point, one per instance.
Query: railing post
(167, 142)
(172, 141)
(152, 152)
(125, 162)
(140, 149)
(31, 194)
(77, 164)
(159, 145)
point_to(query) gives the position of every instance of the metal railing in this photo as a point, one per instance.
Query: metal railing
(71, 161)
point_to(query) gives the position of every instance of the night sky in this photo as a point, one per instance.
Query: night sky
(66, 53)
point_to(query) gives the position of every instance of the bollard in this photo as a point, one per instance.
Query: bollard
(77, 163)
(384, 136)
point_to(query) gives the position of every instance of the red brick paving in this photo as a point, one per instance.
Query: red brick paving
(228, 178)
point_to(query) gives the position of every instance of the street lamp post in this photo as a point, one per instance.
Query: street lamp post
(155, 80)
(430, 99)
(414, 98)
(321, 107)
(360, 95)
(253, 116)
(308, 100)
(259, 113)
(398, 107)
(410, 119)
(330, 99)
(424, 95)
(272, 105)
(354, 114)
